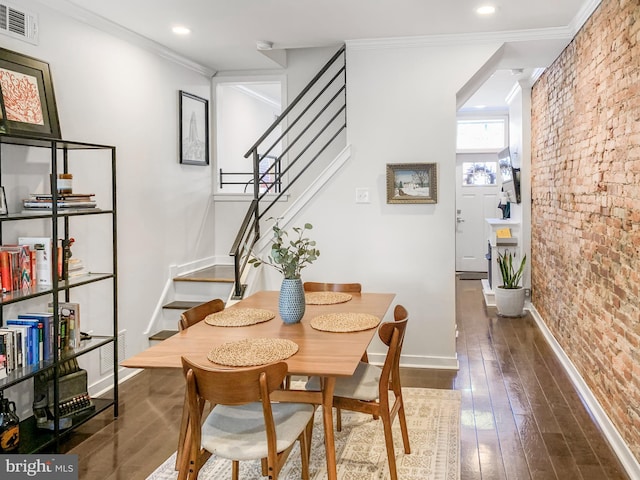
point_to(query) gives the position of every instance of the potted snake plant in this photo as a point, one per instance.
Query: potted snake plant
(510, 295)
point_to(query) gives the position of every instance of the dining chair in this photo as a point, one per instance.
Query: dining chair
(190, 317)
(199, 312)
(335, 287)
(367, 390)
(244, 424)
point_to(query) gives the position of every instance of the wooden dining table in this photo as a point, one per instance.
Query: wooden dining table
(328, 355)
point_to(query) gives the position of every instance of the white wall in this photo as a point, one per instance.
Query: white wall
(109, 91)
(401, 108)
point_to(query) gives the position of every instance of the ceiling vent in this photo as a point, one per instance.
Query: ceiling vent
(18, 23)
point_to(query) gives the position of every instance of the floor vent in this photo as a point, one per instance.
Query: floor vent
(106, 354)
(18, 23)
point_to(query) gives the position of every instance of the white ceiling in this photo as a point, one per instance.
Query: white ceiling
(224, 32)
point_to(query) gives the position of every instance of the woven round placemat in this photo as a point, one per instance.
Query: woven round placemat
(326, 298)
(252, 351)
(239, 317)
(345, 322)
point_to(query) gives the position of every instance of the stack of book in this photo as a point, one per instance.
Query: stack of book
(29, 339)
(44, 201)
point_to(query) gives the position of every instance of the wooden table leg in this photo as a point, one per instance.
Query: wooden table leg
(327, 416)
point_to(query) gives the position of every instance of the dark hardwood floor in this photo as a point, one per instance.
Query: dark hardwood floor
(521, 417)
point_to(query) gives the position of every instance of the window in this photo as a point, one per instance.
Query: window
(482, 134)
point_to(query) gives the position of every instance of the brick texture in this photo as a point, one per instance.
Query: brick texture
(586, 207)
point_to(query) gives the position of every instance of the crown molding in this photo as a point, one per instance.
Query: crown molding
(555, 33)
(583, 15)
(82, 15)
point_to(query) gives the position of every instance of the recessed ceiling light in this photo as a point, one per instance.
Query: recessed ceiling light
(181, 30)
(486, 10)
(480, 107)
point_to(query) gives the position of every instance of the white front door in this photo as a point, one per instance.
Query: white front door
(476, 199)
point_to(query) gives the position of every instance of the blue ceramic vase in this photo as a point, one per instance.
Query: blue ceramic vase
(291, 303)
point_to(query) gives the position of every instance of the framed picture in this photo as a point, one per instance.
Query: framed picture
(26, 89)
(412, 183)
(194, 129)
(3, 202)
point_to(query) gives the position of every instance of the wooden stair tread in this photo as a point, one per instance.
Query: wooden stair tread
(163, 335)
(216, 273)
(182, 304)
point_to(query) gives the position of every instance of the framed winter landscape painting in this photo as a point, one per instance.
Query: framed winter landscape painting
(412, 183)
(194, 129)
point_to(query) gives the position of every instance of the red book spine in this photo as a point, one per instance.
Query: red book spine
(5, 271)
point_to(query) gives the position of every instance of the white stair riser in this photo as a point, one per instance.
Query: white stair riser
(193, 291)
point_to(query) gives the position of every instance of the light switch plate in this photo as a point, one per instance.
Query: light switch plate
(362, 195)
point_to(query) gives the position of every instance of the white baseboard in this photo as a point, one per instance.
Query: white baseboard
(618, 444)
(419, 361)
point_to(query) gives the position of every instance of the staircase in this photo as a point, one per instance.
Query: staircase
(311, 123)
(191, 290)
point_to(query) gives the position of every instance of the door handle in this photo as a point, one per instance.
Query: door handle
(459, 219)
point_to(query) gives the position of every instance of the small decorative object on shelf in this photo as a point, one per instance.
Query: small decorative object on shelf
(289, 257)
(9, 425)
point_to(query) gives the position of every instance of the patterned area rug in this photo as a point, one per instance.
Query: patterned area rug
(433, 418)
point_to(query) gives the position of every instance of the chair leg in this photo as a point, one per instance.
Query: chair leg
(388, 440)
(305, 449)
(235, 469)
(403, 428)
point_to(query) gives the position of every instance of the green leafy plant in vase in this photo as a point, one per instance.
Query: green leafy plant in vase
(510, 295)
(289, 255)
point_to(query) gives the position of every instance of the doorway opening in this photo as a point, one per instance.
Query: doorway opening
(245, 108)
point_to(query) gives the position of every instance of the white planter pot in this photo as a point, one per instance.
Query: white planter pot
(510, 301)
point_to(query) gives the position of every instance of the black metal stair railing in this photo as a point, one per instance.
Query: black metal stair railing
(308, 126)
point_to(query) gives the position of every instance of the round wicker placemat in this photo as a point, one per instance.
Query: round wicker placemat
(252, 351)
(239, 317)
(326, 298)
(345, 322)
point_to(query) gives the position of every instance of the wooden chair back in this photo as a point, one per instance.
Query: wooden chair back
(392, 335)
(199, 312)
(332, 287)
(232, 387)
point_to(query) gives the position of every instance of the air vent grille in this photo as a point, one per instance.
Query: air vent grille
(18, 23)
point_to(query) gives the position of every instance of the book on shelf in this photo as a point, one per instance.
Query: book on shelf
(44, 201)
(73, 197)
(503, 232)
(41, 246)
(69, 326)
(48, 331)
(15, 267)
(36, 340)
(7, 338)
(23, 343)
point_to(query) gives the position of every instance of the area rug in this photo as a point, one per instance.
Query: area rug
(433, 418)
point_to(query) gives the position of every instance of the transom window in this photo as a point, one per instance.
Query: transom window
(482, 134)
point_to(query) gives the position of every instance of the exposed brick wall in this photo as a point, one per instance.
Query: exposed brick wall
(586, 207)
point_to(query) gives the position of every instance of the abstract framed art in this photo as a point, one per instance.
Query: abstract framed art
(194, 129)
(412, 183)
(27, 96)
